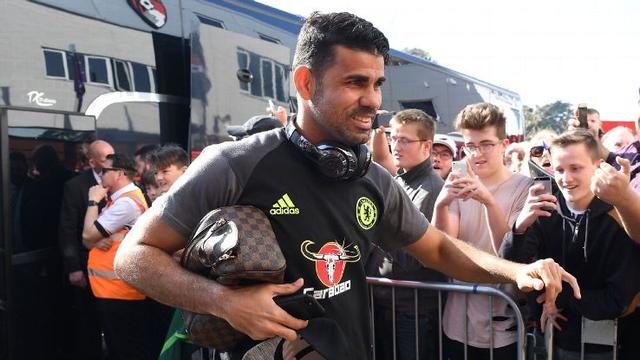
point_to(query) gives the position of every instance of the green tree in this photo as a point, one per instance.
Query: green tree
(552, 116)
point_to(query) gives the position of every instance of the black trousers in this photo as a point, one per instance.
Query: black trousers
(157, 323)
(125, 327)
(85, 323)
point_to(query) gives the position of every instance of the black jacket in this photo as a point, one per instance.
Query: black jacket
(596, 250)
(74, 207)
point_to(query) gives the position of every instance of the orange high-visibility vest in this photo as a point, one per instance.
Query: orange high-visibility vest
(103, 280)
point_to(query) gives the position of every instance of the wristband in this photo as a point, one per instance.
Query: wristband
(92, 203)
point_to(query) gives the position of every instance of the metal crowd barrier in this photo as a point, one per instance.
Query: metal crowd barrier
(602, 332)
(444, 287)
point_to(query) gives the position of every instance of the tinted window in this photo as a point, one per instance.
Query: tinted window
(72, 59)
(141, 77)
(211, 22)
(254, 67)
(269, 39)
(155, 79)
(243, 63)
(267, 78)
(122, 76)
(280, 79)
(98, 72)
(54, 63)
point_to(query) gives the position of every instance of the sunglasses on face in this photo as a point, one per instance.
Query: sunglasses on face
(538, 151)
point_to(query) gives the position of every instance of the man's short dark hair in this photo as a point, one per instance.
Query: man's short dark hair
(167, 155)
(146, 149)
(125, 163)
(591, 111)
(321, 32)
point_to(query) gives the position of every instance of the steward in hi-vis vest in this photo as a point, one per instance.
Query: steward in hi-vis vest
(103, 280)
(122, 308)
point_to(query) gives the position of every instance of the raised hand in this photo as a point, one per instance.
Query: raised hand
(551, 313)
(536, 205)
(97, 193)
(612, 185)
(548, 275)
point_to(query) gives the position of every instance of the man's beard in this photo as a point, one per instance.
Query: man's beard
(329, 121)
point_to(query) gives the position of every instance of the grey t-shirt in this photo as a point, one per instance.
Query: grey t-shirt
(310, 215)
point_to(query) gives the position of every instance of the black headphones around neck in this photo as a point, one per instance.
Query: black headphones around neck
(334, 160)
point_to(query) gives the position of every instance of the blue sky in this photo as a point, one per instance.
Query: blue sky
(574, 51)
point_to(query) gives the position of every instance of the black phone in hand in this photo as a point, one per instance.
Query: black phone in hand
(301, 306)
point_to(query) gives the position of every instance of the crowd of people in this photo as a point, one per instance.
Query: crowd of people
(86, 215)
(320, 165)
(586, 223)
(124, 220)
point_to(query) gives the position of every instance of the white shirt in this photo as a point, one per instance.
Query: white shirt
(97, 177)
(122, 212)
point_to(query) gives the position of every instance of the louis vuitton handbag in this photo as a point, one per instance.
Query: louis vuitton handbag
(234, 246)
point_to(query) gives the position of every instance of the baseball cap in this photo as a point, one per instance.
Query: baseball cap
(445, 140)
(254, 125)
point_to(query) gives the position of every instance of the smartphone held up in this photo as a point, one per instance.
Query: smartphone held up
(460, 167)
(582, 116)
(546, 184)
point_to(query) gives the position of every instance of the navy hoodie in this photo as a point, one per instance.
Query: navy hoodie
(596, 250)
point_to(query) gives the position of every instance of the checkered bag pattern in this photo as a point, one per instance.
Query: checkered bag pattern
(256, 257)
(259, 258)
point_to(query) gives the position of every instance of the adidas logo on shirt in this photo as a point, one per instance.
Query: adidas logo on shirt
(284, 206)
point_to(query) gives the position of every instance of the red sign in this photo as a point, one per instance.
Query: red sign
(610, 124)
(153, 12)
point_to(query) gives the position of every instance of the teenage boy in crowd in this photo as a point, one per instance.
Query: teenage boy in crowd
(170, 162)
(582, 233)
(338, 74)
(480, 210)
(411, 138)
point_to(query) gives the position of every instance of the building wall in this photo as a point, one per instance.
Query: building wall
(447, 90)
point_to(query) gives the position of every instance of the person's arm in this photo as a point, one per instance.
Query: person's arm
(496, 217)
(522, 247)
(144, 257)
(464, 262)
(445, 213)
(612, 186)
(144, 261)
(496, 220)
(68, 234)
(380, 151)
(90, 233)
(629, 211)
